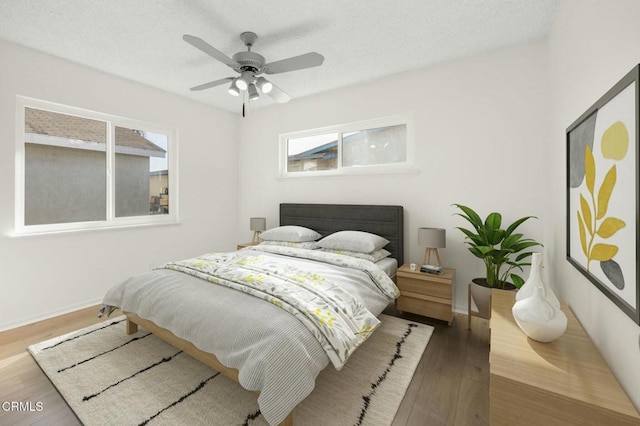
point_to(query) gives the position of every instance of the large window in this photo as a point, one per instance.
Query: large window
(79, 169)
(375, 146)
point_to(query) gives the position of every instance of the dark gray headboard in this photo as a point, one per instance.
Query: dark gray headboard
(386, 221)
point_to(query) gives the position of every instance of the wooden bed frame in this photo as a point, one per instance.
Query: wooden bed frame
(386, 221)
(133, 321)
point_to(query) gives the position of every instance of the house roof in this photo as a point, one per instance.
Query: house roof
(327, 150)
(41, 122)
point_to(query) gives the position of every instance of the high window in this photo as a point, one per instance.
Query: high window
(374, 146)
(79, 169)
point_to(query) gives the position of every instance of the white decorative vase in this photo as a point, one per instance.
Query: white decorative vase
(539, 319)
(535, 279)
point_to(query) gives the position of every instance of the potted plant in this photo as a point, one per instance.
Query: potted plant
(503, 252)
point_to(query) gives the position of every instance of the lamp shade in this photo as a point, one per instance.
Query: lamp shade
(253, 92)
(244, 80)
(264, 85)
(234, 89)
(432, 237)
(258, 223)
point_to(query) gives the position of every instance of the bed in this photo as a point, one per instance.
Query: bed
(271, 352)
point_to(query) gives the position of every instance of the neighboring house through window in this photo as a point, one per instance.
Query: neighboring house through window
(374, 146)
(80, 170)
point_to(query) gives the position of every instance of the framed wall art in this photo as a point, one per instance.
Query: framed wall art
(602, 194)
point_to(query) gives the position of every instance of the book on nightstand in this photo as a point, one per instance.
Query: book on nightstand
(430, 269)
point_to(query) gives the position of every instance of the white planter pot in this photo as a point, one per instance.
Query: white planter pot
(481, 296)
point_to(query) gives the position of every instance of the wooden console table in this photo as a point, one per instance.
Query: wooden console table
(564, 382)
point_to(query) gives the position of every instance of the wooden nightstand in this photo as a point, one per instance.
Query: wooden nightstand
(426, 294)
(243, 245)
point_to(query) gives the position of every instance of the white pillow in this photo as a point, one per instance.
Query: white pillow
(309, 245)
(371, 257)
(290, 233)
(362, 242)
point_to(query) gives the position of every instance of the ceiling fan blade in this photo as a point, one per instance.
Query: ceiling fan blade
(278, 95)
(199, 43)
(212, 84)
(308, 60)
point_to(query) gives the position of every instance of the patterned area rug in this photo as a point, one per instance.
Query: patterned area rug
(108, 377)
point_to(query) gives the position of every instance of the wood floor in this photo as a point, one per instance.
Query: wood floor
(450, 386)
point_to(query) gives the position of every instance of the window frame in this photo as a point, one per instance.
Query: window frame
(356, 170)
(111, 121)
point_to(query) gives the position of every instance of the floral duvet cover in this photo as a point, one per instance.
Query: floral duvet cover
(334, 316)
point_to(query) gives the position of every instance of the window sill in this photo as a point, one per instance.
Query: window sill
(355, 171)
(49, 231)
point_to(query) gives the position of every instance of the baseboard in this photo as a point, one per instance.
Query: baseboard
(49, 315)
(459, 310)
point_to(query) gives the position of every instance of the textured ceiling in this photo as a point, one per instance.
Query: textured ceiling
(361, 40)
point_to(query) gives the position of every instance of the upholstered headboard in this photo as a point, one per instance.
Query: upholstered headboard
(386, 221)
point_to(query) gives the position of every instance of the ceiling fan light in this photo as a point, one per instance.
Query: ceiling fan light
(234, 89)
(253, 92)
(241, 84)
(244, 80)
(264, 85)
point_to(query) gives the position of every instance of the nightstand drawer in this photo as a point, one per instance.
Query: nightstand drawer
(427, 308)
(421, 285)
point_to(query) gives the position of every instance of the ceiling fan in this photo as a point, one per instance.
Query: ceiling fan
(250, 66)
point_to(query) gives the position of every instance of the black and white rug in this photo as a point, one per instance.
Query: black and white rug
(108, 377)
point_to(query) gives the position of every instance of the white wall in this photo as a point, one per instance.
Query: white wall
(593, 44)
(41, 276)
(481, 138)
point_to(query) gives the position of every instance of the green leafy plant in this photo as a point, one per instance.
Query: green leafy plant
(502, 250)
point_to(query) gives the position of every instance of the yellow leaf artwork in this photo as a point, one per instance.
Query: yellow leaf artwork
(592, 222)
(583, 236)
(610, 226)
(605, 192)
(586, 214)
(603, 252)
(615, 141)
(589, 168)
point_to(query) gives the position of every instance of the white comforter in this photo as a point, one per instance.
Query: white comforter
(272, 350)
